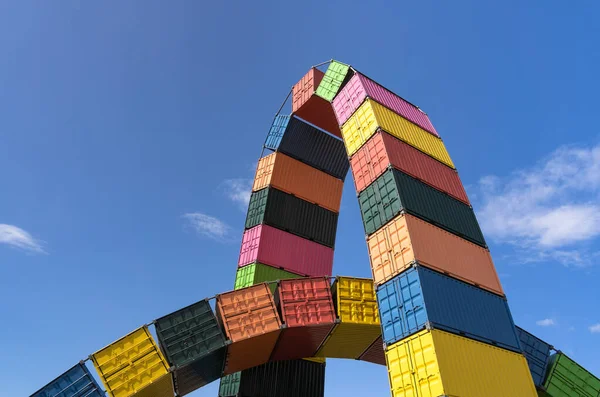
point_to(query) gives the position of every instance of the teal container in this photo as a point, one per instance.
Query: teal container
(230, 385)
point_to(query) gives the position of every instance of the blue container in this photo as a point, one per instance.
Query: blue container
(303, 142)
(76, 382)
(420, 298)
(537, 353)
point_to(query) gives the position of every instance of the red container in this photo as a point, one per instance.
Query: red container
(308, 314)
(313, 108)
(274, 247)
(359, 87)
(382, 150)
(374, 354)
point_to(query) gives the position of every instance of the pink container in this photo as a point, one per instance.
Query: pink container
(359, 87)
(274, 247)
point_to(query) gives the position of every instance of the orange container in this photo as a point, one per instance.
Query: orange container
(313, 108)
(251, 322)
(301, 180)
(406, 239)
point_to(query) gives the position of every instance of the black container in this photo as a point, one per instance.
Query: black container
(193, 344)
(292, 214)
(306, 143)
(293, 378)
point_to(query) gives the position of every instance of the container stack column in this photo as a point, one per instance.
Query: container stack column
(446, 325)
(292, 220)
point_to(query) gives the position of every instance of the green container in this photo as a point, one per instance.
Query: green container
(332, 81)
(258, 273)
(566, 378)
(395, 192)
(230, 385)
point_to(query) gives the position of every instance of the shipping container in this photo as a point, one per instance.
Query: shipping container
(193, 344)
(311, 107)
(357, 325)
(360, 87)
(257, 273)
(438, 363)
(76, 382)
(275, 208)
(230, 385)
(308, 315)
(566, 378)
(420, 298)
(383, 150)
(134, 366)
(336, 75)
(537, 353)
(294, 378)
(374, 353)
(301, 180)
(395, 192)
(371, 116)
(274, 247)
(251, 322)
(408, 239)
(306, 143)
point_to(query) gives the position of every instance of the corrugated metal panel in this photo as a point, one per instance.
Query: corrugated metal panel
(358, 326)
(230, 385)
(420, 297)
(374, 354)
(297, 378)
(359, 87)
(370, 116)
(436, 363)
(311, 107)
(536, 352)
(292, 214)
(332, 80)
(276, 131)
(383, 150)
(194, 344)
(274, 247)
(308, 314)
(566, 378)
(407, 239)
(301, 180)
(315, 148)
(76, 382)
(134, 366)
(257, 273)
(395, 191)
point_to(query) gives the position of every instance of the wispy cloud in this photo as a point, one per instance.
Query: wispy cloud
(549, 211)
(238, 190)
(547, 322)
(208, 226)
(595, 329)
(19, 238)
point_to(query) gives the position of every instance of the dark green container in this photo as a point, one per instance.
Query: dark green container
(292, 214)
(193, 344)
(395, 192)
(335, 76)
(566, 378)
(230, 385)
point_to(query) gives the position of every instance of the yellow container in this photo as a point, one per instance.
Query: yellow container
(134, 366)
(358, 319)
(437, 363)
(370, 116)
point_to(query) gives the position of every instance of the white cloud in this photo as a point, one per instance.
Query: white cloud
(19, 238)
(238, 190)
(547, 322)
(208, 226)
(595, 329)
(549, 210)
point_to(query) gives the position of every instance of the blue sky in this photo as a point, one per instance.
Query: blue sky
(127, 127)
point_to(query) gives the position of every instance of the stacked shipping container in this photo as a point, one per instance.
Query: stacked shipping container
(445, 321)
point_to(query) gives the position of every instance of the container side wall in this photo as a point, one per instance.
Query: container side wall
(537, 353)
